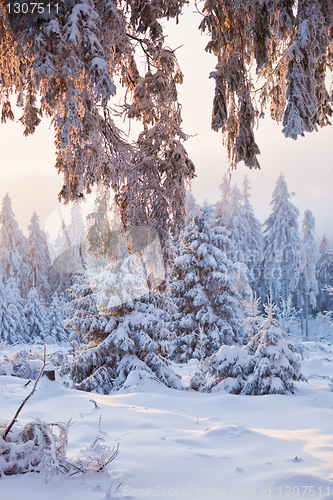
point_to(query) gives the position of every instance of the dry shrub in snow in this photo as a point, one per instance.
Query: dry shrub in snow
(33, 448)
(41, 447)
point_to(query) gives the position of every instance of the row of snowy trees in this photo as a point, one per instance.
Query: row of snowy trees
(25, 259)
(276, 255)
(29, 321)
(205, 310)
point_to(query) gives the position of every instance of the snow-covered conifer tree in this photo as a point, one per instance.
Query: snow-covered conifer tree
(309, 257)
(280, 271)
(287, 314)
(268, 364)
(204, 291)
(221, 206)
(274, 366)
(136, 336)
(237, 224)
(191, 206)
(35, 314)
(39, 259)
(255, 239)
(12, 243)
(324, 274)
(54, 328)
(253, 317)
(13, 325)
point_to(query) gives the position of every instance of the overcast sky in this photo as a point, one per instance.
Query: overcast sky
(27, 164)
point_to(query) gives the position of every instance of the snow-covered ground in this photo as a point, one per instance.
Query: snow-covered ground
(186, 444)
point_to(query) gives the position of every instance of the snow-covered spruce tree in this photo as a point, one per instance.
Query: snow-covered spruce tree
(39, 259)
(137, 336)
(54, 328)
(324, 275)
(35, 315)
(275, 366)
(235, 221)
(191, 206)
(308, 260)
(204, 291)
(13, 324)
(253, 317)
(128, 326)
(287, 315)
(12, 245)
(69, 256)
(255, 239)
(266, 365)
(221, 206)
(104, 230)
(280, 271)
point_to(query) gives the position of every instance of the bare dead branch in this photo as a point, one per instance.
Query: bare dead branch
(26, 399)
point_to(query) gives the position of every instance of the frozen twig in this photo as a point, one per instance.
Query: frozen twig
(26, 399)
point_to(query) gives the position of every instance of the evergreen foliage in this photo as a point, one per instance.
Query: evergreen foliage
(308, 260)
(266, 365)
(39, 259)
(204, 291)
(255, 239)
(13, 325)
(54, 329)
(290, 43)
(280, 271)
(324, 274)
(35, 314)
(12, 243)
(135, 340)
(221, 206)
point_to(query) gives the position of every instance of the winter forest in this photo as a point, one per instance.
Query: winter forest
(152, 344)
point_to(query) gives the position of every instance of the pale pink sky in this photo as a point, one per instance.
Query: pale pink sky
(27, 164)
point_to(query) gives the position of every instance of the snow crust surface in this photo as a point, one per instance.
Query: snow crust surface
(187, 444)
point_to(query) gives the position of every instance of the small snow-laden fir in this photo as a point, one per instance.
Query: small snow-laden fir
(252, 316)
(235, 221)
(221, 206)
(267, 364)
(275, 362)
(288, 315)
(136, 338)
(280, 268)
(70, 244)
(13, 247)
(13, 323)
(191, 206)
(324, 274)
(204, 290)
(235, 213)
(35, 314)
(54, 329)
(308, 260)
(255, 240)
(39, 259)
